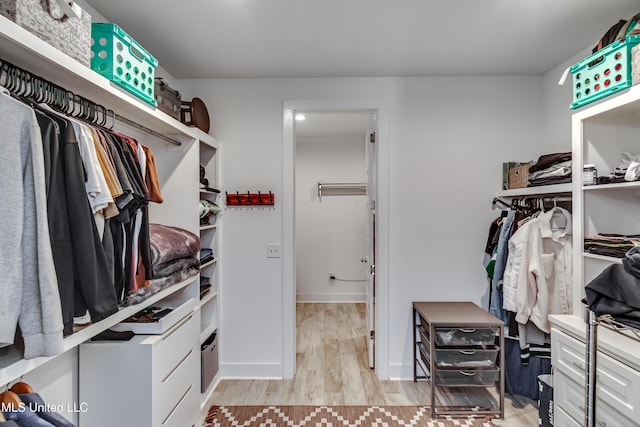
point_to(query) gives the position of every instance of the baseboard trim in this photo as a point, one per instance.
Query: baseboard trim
(400, 372)
(356, 297)
(258, 371)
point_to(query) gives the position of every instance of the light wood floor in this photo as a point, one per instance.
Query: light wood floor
(332, 369)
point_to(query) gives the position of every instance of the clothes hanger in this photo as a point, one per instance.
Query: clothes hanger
(21, 388)
(10, 400)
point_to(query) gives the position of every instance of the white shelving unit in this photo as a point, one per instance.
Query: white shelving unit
(177, 171)
(600, 133)
(209, 238)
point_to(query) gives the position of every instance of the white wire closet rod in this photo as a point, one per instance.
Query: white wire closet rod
(341, 189)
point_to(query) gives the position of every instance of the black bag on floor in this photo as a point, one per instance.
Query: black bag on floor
(545, 401)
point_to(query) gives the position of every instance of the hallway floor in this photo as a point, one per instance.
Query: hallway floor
(332, 369)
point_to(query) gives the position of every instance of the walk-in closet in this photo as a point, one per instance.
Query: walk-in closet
(279, 212)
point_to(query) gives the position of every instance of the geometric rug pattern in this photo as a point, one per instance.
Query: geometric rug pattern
(336, 416)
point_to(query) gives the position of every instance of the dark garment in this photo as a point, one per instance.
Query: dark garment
(616, 290)
(610, 179)
(37, 404)
(91, 273)
(27, 418)
(613, 245)
(522, 379)
(494, 235)
(547, 160)
(134, 199)
(110, 335)
(58, 218)
(609, 37)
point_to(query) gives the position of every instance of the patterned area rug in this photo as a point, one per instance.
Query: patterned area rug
(335, 416)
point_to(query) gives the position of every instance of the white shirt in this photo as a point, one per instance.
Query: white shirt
(544, 281)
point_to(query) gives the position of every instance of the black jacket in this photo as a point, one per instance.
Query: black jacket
(616, 291)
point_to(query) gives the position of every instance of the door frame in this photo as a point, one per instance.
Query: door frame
(288, 227)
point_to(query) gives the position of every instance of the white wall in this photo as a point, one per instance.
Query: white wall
(556, 101)
(330, 233)
(448, 137)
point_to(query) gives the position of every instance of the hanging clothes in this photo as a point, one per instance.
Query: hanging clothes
(83, 274)
(29, 288)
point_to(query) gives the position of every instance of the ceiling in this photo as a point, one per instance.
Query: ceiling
(347, 38)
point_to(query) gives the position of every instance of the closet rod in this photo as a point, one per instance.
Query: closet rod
(344, 187)
(124, 120)
(41, 90)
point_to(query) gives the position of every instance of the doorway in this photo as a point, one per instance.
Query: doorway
(346, 285)
(334, 206)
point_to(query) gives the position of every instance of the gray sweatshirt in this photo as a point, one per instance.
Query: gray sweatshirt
(28, 285)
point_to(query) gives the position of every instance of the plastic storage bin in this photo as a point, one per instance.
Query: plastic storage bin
(118, 57)
(465, 337)
(466, 358)
(605, 72)
(468, 378)
(209, 360)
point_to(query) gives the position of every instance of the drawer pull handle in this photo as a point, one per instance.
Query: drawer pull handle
(468, 374)
(469, 352)
(601, 423)
(578, 365)
(177, 404)
(581, 408)
(176, 327)
(177, 366)
(467, 330)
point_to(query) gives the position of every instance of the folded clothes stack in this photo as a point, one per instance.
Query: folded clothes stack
(205, 286)
(613, 245)
(628, 170)
(206, 255)
(173, 259)
(550, 169)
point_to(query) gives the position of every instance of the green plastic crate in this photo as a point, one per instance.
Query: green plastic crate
(118, 57)
(605, 72)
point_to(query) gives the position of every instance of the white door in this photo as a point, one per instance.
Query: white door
(370, 261)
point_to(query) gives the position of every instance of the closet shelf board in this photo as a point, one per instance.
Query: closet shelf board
(13, 366)
(536, 191)
(208, 297)
(635, 185)
(25, 50)
(207, 264)
(206, 333)
(208, 227)
(621, 109)
(603, 258)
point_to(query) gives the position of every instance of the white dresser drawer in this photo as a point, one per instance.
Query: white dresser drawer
(174, 345)
(562, 419)
(617, 385)
(568, 355)
(606, 416)
(173, 387)
(184, 410)
(569, 396)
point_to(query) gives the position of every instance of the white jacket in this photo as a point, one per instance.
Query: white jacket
(539, 282)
